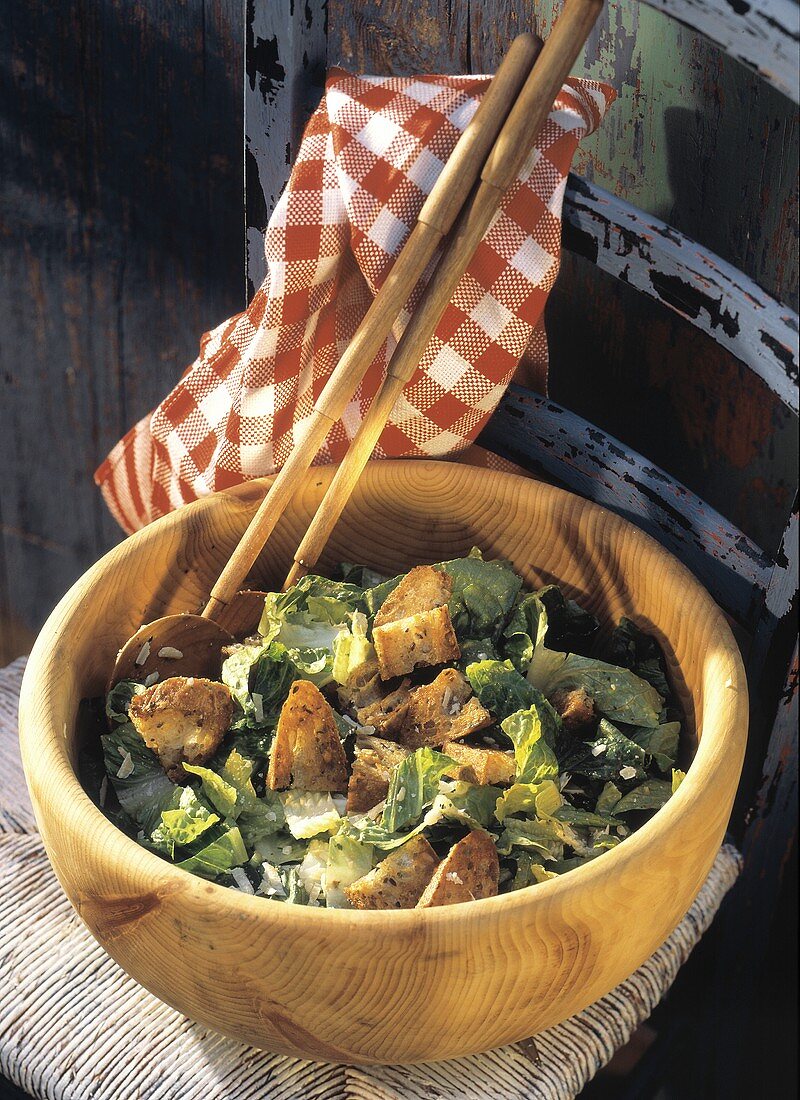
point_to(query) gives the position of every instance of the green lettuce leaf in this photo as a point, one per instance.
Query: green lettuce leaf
(661, 743)
(259, 676)
(607, 757)
(231, 792)
(650, 795)
(225, 851)
(352, 649)
(571, 629)
(530, 871)
(542, 837)
(501, 689)
(140, 782)
(414, 783)
(618, 693)
(475, 802)
(187, 820)
(540, 800)
(608, 798)
(533, 734)
(349, 859)
(279, 848)
(362, 576)
(118, 700)
(483, 595)
(632, 648)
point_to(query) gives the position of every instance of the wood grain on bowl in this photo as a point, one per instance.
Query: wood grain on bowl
(403, 986)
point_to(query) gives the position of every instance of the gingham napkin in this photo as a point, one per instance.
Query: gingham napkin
(369, 157)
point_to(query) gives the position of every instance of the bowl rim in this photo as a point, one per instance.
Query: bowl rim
(73, 802)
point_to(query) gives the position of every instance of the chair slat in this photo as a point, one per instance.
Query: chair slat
(541, 435)
(762, 35)
(673, 269)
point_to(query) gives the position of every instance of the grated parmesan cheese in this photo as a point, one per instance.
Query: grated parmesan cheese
(170, 653)
(242, 881)
(599, 748)
(143, 654)
(627, 772)
(258, 706)
(126, 767)
(454, 876)
(151, 679)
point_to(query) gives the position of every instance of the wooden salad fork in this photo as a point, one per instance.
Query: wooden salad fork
(483, 165)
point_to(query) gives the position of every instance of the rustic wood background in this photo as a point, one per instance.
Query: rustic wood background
(121, 241)
(123, 229)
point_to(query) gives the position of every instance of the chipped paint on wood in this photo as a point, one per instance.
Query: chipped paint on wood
(710, 293)
(285, 56)
(763, 34)
(543, 436)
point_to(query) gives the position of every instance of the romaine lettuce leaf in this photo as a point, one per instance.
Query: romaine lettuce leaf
(618, 693)
(530, 870)
(533, 734)
(349, 859)
(187, 819)
(279, 848)
(611, 755)
(361, 575)
(225, 851)
(632, 648)
(352, 649)
(259, 676)
(650, 795)
(661, 743)
(118, 700)
(571, 629)
(544, 837)
(140, 782)
(483, 595)
(540, 800)
(414, 783)
(476, 802)
(608, 798)
(501, 689)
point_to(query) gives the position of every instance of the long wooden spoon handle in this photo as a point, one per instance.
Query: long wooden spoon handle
(435, 220)
(506, 160)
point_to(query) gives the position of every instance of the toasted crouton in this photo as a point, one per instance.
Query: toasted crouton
(372, 770)
(183, 720)
(421, 589)
(484, 767)
(576, 708)
(307, 752)
(470, 870)
(388, 714)
(444, 710)
(361, 693)
(426, 638)
(398, 881)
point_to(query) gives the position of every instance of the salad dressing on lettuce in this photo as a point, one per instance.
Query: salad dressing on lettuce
(423, 740)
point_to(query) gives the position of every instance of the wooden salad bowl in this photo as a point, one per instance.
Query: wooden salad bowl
(404, 986)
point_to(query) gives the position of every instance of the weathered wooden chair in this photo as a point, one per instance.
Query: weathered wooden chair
(287, 52)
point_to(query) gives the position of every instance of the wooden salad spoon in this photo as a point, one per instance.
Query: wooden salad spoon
(190, 644)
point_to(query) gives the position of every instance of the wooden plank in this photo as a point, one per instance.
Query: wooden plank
(122, 242)
(543, 436)
(711, 294)
(763, 35)
(285, 55)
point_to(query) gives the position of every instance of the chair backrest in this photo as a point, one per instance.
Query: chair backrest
(757, 587)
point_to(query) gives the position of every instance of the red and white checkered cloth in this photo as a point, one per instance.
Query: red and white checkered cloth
(370, 155)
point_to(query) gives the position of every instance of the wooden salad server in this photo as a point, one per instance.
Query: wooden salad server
(502, 167)
(190, 644)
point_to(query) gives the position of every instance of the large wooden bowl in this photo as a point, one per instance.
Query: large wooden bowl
(405, 986)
